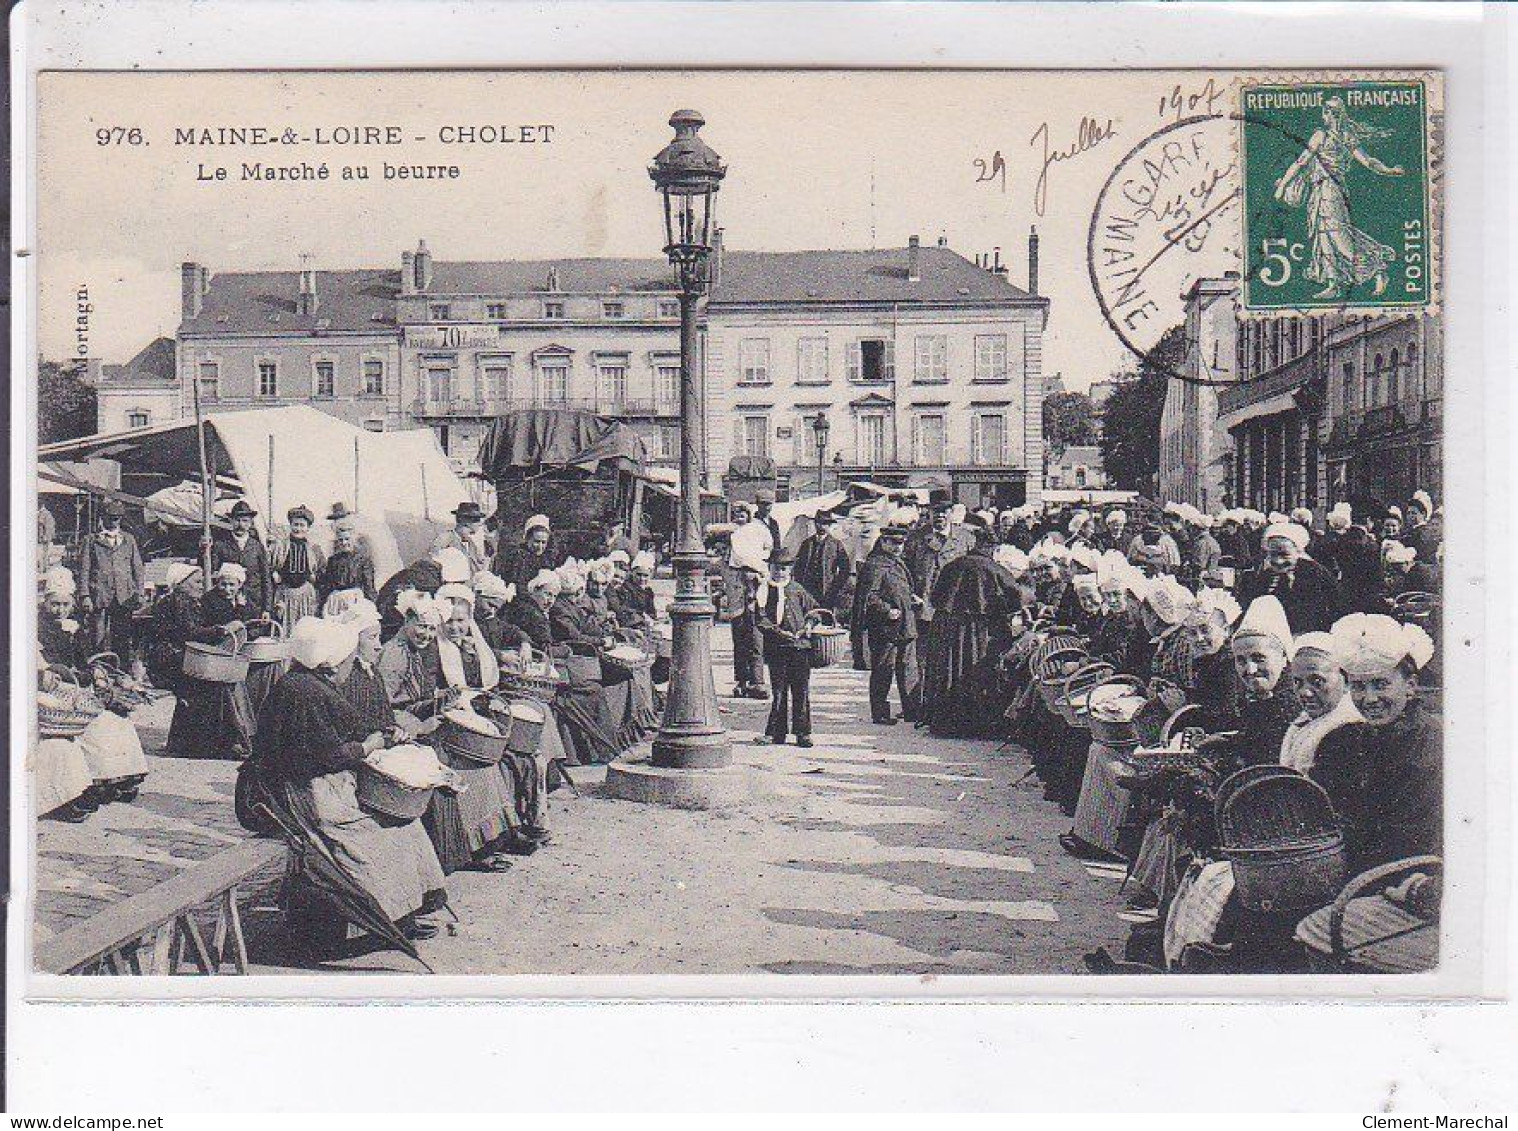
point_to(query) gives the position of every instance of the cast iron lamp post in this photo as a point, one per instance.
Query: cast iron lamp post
(820, 428)
(687, 173)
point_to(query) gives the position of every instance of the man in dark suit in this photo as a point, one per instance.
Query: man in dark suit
(242, 547)
(822, 564)
(110, 581)
(1305, 589)
(885, 625)
(780, 610)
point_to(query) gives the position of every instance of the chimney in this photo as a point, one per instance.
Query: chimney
(408, 273)
(423, 266)
(1033, 260)
(943, 241)
(191, 289)
(996, 264)
(553, 279)
(715, 271)
(914, 261)
(306, 301)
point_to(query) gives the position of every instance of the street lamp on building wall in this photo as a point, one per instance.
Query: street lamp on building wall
(820, 428)
(687, 173)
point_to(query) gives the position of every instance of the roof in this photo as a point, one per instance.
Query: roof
(860, 276)
(263, 302)
(518, 276)
(153, 363)
(1087, 454)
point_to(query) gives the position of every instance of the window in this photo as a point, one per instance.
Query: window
(1394, 378)
(374, 377)
(668, 442)
(667, 386)
(268, 379)
(812, 361)
(613, 384)
(1373, 393)
(754, 361)
(495, 310)
(495, 379)
(754, 435)
(439, 383)
(553, 309)
(613, 310)
(989, 438)
(438, 311)
(554, 382)
(208, 380)
(139, 418)
(872, 440)
(669, 308)
(990, 357)
(1414, 378)
(326, 379)
(928, 440)
(872, 359)
(374, 424)
(932, 362)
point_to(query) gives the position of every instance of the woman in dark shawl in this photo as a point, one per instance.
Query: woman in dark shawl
(974, 600)
(349, 569)
(216, 720)
(311, 741)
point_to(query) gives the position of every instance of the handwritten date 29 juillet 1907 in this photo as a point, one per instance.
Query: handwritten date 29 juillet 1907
(1177, 103)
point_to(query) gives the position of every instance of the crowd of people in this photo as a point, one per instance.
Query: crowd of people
(1221, 642)
(293, 663)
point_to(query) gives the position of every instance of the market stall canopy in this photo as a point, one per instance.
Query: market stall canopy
(399, 483)
(98, 472)
(1058, 497)
(532, 440)
(666, 481)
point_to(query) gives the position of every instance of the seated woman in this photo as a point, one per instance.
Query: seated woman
(408, 662)
(1322, 689)
(491, 598)
(572, 618)
(1384, 775)
(529, 612)
(310, 742)
(215, 720)
(1214, 684)
(63, 787)
(58, 634)
(1260, 646)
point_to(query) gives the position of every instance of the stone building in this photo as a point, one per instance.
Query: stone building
(143, 392)
(927, 367)
(1195, 451)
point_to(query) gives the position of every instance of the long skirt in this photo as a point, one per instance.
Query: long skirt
(112, 749)
(630, 704)
(463, 824)
(60, 773)
(261, 680)
(960, 686)
(393, 861)
(292, 604)
(1103, 805)
(586, 728)
(211, 720)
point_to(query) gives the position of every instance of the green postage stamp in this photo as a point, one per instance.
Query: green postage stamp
(1336, 195)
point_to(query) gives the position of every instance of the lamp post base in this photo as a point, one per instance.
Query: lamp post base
(692, 736)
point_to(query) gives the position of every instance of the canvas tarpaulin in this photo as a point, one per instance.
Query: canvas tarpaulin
(536, 439)
(399, 483)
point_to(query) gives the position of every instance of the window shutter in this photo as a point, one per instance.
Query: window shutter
(855, 361)
(739, 446)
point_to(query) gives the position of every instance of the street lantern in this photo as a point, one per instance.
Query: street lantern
(820, 427)
(687, 173)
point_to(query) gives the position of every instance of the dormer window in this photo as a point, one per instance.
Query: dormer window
(553, 310)
(613, 310)
(438, 311)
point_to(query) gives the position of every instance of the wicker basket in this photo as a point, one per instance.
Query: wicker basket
(271, 649)
(1421, 609)
(383, 794)
(1280, 832)
(583, 668)
(212, 663)
(1363, 932)
(515, 685)
(1117, 733)
(830, 644)
(463, 748)
(528, 718)
(620, 668)
(1051, 666)
(1071, 703)
(64, 722)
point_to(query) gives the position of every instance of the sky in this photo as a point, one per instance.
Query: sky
(815, 160)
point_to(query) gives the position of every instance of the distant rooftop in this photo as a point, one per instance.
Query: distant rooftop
(154, 363)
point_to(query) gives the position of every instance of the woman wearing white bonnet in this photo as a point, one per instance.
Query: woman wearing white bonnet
(1384, 775)
(1322, 690)
(311, 742)
(1260, 646)
(408, 662)
(1305, 589)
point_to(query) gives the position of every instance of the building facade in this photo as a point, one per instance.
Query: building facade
(1195, 450)
(1077, 467)
(926, 367)
(1339, 408)
(143, 392)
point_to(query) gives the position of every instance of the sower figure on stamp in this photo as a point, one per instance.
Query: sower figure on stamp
(887, 626)
(780, 610)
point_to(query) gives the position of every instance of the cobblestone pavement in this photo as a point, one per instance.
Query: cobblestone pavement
(886, 852)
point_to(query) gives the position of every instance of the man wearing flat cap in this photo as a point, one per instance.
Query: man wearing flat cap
(884, 627)
(241, 546)
(110, 580)
(823, 566)
(780, 614)
(1305, 589)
